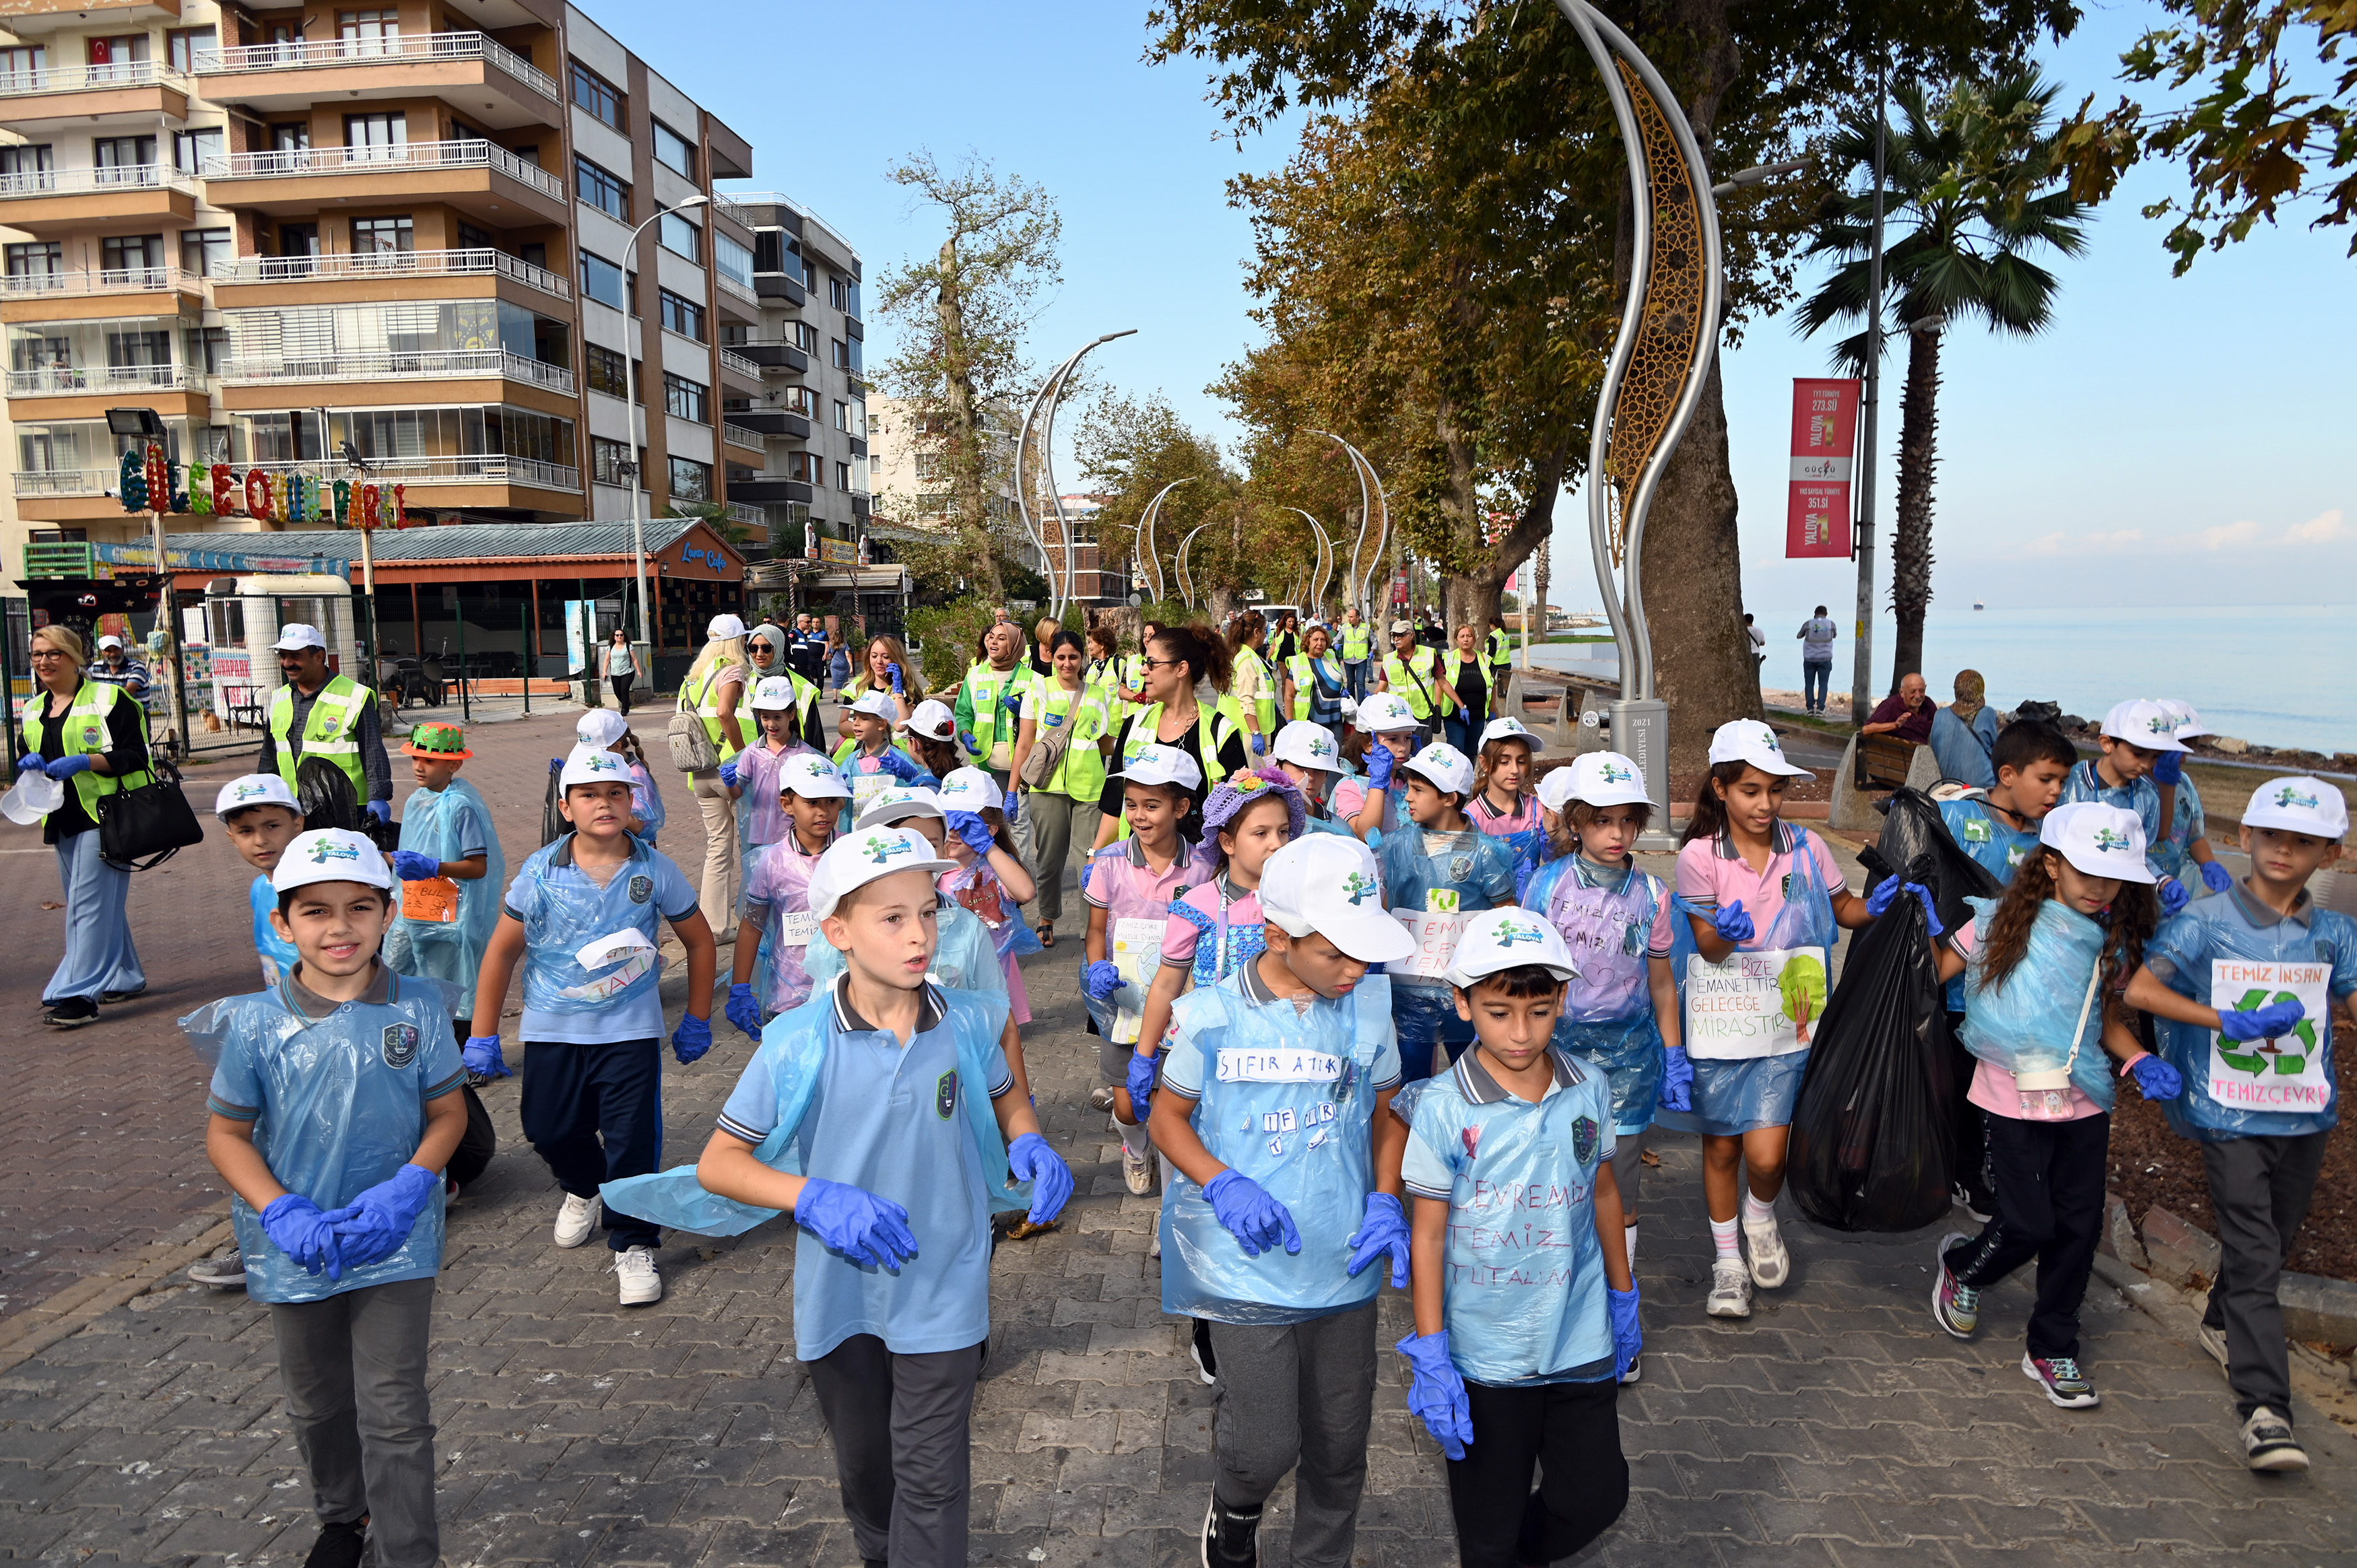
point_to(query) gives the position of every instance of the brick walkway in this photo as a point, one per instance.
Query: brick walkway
(1837, 1426)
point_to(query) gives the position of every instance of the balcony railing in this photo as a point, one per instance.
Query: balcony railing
(467, 153)
(750, 516)
(735, 211)
(738, 436)
(448, 468)
(85, 181)
(128, 280)
(739, 364)
(436, 364)
(85, 77)
(408, 49)
(66, 482)
(65, 381)
(742, 291)
(371, 264)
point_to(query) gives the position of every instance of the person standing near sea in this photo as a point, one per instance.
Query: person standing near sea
(1816, 638)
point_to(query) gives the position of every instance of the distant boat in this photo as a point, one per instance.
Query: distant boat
(1978, 605)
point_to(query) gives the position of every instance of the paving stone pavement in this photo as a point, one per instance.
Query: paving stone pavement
(1838, 1426)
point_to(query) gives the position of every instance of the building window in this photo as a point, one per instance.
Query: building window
(191, 148)
(806, 467)
(801, 400)
(181, 44)
(731, 259)
(602, 281)
(606, 370)
(690, 481)
(375, 138)
(294, 136)
(379, 235)
(600, 189)
(686, 399)
(473, 239)
(684, 316)
(372, 32)
(205, 252)
(41, 259)
(209, 348)
(843, 477)
(607, 459)
(681, 237)
(130, 252)
(843, 416)
(123, 160)
(674, 151)
(601, 98)
(834, 292)
(24, 66)
(805, 337)
(842, 354)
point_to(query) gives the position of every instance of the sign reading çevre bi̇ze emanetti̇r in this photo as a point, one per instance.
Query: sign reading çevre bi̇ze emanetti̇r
(1754, 1003)
(2289, 1072)
(1825, 442)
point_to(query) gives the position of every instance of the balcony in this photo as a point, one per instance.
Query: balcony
(748, 516)
(60, 295)
(378, 267)
(84, 381)
(738, 366)
(747, 440)
(477, 177)
(449, 468)
(47, 202)
(436, 364)
(30, 18)
(56, 95)
(780, 286)
(775, 353)
(66, 482)
(496, 86)
(766, 488)
(772, 422)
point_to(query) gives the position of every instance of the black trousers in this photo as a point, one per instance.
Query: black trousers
(621, 684)
(2050, 1206)
(595, 1114)
(2259, 1189)
(1571, 1433)
(903, 1448)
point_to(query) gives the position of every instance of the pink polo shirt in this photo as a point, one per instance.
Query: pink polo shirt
(1712, 874)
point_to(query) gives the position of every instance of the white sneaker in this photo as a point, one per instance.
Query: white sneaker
(641, 1284)
(1138, 1172)
(575, 1220)
(1731, 1289)
(2268, 1444)
(2212, 1341)
(1771, 1264)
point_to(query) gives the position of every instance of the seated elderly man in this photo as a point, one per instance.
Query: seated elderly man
(1907, 715)
(1963, 733)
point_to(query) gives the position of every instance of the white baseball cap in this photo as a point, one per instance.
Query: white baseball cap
(254, 789)
(878, 703)
(592, 764)
(295, 635)
(933, 720)
(1306, 745)
(331, 854)
(969, 789)
(1605, 779)
(1386, 712)
(2099, 840)
(1163, 765)
(725, 625)
(2189, 723)
(2143, 723)
(898, 806)
(1503, 728)
(110, 640)
(1401, 629)
(1555, 789)
(1329, 883)
(1504, 938)
(773, 691)
(862, 855)
(811, 777)
(1442, 766)
(601, 727)
(2298, 805)
(1748, 740)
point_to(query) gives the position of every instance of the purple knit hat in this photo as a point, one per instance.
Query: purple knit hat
(1240, 789)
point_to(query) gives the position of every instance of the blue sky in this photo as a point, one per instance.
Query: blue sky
(2171, 441)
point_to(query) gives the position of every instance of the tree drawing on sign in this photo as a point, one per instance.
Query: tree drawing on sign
(1802, 983)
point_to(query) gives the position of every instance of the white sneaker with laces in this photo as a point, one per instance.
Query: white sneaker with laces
(1771, 1264)
(641, 1284)
(575, 1220)
(1731, 1289)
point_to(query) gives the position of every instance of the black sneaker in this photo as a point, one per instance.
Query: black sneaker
(112, 997)
(71, 1014)
(339, 1545)
(1231, 1536)
(1975, 1199)
(1207, 1365)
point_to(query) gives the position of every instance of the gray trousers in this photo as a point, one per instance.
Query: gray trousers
(2259, 1189)
(903, 1448)
(1020, 827)
(1056, 822)
(1298, 1393)
(353, 1369)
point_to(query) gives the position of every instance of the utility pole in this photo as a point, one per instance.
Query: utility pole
(1861, 687)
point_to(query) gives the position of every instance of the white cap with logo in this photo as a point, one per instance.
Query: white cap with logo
(969, 789)
(599, 727)
(878, 703)
(592, 764)
(1386, 712)
(1442, 766)
(775, 693)
(725, 625)
(933, 720)
(1306, 745)
(330, 854)
(1505, 938)
(254, 789)
(1605, 779)
(864, 855)
(2143, 723)
(898, 806)
(811, 777)
(295, 635)
(1328, 884)
(2298, 805)
(2189, 723)
(1507, 728)
(1159, 764)
(2098, 839)
(1748, 740)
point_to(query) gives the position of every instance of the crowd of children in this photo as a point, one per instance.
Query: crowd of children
(1375, 1008)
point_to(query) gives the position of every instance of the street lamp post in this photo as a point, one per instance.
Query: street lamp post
(638, 444)
(1151, 580)
(1050, 394)
(1861, 684)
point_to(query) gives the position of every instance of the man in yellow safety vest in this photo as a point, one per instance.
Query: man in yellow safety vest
(1411, 672)
(1357, 643)
(316, 714)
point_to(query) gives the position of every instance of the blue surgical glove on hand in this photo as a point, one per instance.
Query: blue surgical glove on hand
(743, 1011)
(411, 867)
(1014, 805)
(1012, 702)
(1031, 1160)
(2271, 1021)
(966, 738)
(1260, 743)
(857, 1223)
(2216, 878)
(1436, 1396)
(297, 1228)
(1101, 979)
(1383, 1230)
(30, 762)
(382, 1215)
(897, 763)
(1886, 893)
(728, 773)
(65, 767)
(2157, 1078)
(972, 832)
(2169, 768)
(691, 1039)
(2173, 896)
(1465, 717)
(381, 810)
(1257, 1221)
(1380, 762)
(1142, 1071)
(1732, 924)
(1677, 1080)
(894, 672)
(482, 1055)
(1628, 1334)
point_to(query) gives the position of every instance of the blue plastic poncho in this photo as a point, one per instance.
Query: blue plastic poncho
(964, 956)
(446, 825)
(1990, 842)
(1289, 1100)
(2212, 951)
(646, 801)
(343, 1108)
(563, 915)
(1608, 1016)
(2188, 822)
(2025, 1024)
(277, 954)
(1962, 750)
(795, 1044)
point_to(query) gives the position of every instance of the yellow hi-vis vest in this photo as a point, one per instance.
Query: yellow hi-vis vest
(83, 732)
(1411, 680)
(333, 730)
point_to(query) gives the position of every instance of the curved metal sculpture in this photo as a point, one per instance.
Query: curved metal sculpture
(1150, 564)
(1321, 574)
(1051, 394)
(1376, 513)
(1187, 584)
(1669, 330)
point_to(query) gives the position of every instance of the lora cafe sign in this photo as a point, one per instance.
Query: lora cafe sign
(149, 483)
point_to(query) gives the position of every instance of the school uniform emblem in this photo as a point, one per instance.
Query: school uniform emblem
(1584, 1134)
(399, 1045)
(642, 889)
(945, 1091)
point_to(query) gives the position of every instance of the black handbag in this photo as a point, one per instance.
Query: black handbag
(141, 827)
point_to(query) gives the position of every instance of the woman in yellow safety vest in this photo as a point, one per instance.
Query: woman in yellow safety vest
(1183, 666)
(1062, 700)
(1315, 683)
(1103, 673)
(1411, 673)
(887, 668)
(1466, 669)
(714, 690)
(1253, 690)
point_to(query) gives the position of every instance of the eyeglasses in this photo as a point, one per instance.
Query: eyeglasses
(51, 653)
(1152, 664)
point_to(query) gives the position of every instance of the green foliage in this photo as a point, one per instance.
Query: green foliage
(1129, 448)
(948, 633)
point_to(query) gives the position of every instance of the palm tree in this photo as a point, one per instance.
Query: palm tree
(1972, 181)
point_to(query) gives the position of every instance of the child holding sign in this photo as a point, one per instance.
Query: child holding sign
(1753, 961)
(776, 907)
(868, 761)
(1437, 871)
(2261, 1096)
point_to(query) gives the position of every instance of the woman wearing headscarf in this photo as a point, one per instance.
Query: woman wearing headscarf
(1963, 733)
(715, 691)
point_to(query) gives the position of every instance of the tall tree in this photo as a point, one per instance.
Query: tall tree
(1129, 448)
(1972, 184)
(961, 316)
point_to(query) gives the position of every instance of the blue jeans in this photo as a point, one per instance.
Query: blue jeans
(99, 956)
(1356, 675)
(1816, 678)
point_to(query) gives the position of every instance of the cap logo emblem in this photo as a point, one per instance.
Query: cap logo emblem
(248, 792)
(1611, 774)
(2288, 795)
(604, 762)
(326, 850)
(1357, 885)
(1509, 933)
(881, 849)
(2161, 725)
(2105, 839)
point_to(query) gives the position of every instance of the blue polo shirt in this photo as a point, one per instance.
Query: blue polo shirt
(884, 1117)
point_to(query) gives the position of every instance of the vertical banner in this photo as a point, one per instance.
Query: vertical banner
(1824, 445)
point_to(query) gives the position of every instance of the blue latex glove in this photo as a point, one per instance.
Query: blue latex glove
(743, 1011)
(1014, 806)
(1732, 924)
(1380, 762)
(2271, 1021)
(894, 672)
(1100, 978)
(2216, 878)
(897, 763)
(966, 738)
(1886, 893)
(972, 832)
(1383, 1230)
(728, 773)
(381, 810)
(691, 1039)
(1142, 1073)
(1012, 702)
(1677, 1080)
(2157, 1078)
(64, 767)
(411, 867)
(297, 1228)
(2169, 768)
(1260, 743)
(481, 1055)
(1031, 1160)
(30, 761)
(2173, 896)
(1436, 1396)
(857, 1223)
(1257, 1221)
(382, 1215)
(1628, 1334)
(1465, 717)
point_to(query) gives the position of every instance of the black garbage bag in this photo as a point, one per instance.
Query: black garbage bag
(325, 793)
(1870, 1142)
(1912, 831)
(552, 825)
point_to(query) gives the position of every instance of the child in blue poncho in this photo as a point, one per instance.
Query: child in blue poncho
(449, 864)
